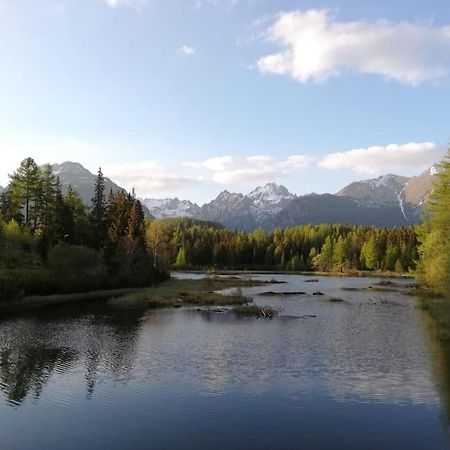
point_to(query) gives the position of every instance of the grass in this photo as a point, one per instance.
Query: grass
(439, 310)
(178, 293)
(255, 310)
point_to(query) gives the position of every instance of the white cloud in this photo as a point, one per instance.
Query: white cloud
(297, 161)
(186, 50)
(130, 3)
(255, 168)
(401, 158)
(216, 164)
(315, 46)
(149, 178)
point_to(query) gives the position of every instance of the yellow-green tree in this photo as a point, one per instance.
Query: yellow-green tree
(434, 265)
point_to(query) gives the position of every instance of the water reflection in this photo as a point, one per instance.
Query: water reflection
(167, 373)
(32, 349)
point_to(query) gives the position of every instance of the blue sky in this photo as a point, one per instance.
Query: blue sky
(189, 97)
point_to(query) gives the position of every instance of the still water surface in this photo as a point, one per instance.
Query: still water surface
(363, 373)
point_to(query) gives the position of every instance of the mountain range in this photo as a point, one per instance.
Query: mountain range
(389, 200)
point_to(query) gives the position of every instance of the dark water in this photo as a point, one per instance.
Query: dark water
(362, 374)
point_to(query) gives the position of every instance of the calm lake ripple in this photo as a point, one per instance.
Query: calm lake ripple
(361, 373)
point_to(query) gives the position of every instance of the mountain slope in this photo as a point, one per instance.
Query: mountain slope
(171, 207)
(330, 209)
(82, 180)
(376, 192)
(230, 209)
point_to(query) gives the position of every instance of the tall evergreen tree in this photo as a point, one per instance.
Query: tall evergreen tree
(97, 217)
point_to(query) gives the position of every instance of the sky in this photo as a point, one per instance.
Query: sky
(187, 98)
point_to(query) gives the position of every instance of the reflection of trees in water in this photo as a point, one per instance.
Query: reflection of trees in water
(25, 370)
(440, 354)
(108, 349)
(33, 349)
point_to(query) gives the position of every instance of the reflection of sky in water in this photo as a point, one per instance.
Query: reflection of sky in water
(355, 352)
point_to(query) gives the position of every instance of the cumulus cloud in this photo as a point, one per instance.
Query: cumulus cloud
(255, 168)
(376, 160)
(186, 50)
(315, 46)
(216, 164)
(149, 177)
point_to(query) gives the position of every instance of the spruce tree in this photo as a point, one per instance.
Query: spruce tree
(97, 217)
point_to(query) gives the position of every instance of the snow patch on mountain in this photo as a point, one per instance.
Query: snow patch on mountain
(171, 207)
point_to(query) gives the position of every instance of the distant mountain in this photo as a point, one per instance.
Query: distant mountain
(171, 207)
(376, 192)
(2, 189)
(389, 200)
(329, 208)
(409, 195)
(83, 182)
(269, 200)
(234, 210)
(81, 179)
(418, 189)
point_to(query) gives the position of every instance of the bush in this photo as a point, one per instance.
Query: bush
(67, 258)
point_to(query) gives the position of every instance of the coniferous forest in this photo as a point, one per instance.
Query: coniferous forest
(52, 243)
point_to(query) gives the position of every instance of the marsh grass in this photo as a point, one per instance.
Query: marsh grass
(439, 310)
(255, 310)
(177, 293)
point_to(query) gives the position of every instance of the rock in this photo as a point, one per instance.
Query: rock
(317, 293)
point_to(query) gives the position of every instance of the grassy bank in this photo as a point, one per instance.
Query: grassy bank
(171, 293)
(439, 310)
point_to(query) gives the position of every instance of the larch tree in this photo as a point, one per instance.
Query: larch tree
(434, 235)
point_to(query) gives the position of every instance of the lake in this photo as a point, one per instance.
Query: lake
(362, 373)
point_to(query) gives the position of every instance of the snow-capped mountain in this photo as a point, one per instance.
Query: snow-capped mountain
(409, 195)
(270, 199)
(419, 188)
(376, 192)
(171, 207)
(389, 200)
(233, 210)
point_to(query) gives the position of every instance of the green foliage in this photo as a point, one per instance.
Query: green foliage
(434, 235)
(51, 243)
(305, 247)
(181, 258)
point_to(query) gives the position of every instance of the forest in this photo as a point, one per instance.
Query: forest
(50, 242)
(188, 243)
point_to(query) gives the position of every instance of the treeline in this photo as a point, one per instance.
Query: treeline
(187, 243)
(434, 234)
(51, 242)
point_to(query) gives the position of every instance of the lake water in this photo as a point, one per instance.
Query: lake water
(364, 373)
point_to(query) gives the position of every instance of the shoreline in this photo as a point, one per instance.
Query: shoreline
(353, 274)
(31, 302)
